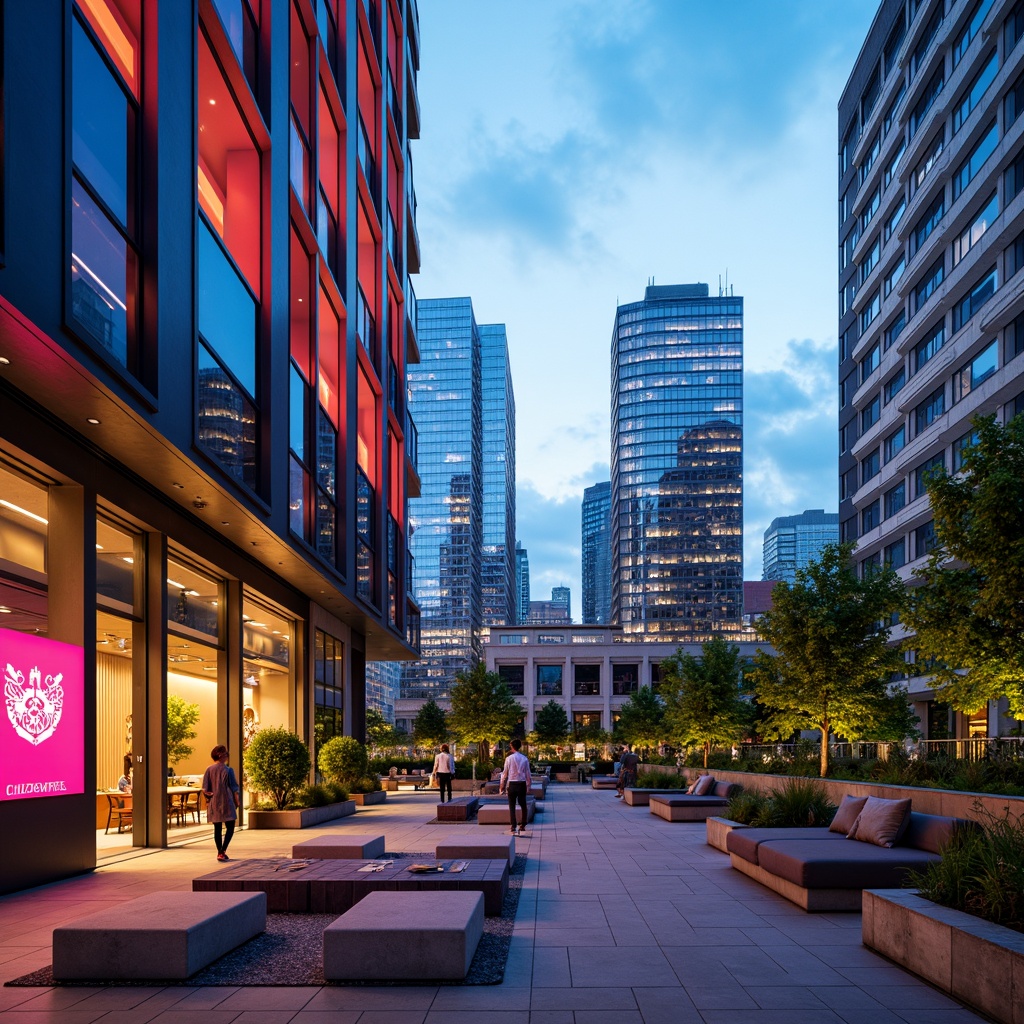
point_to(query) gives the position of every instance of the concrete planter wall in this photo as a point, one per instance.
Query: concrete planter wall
(300, 819)
(366, 799)
(952, 803)
(718, 829)
(975, 961)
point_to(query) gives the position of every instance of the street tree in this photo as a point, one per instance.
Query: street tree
(483, 709)
(551, 724)
(966, 609)
(642, 720)
(381, 735)
(833, 658)
(704, 697)
(430, 726)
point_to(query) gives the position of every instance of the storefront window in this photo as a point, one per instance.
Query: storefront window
(267, 691)
(191, 600)
(328, 688)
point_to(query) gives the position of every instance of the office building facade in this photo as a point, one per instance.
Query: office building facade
(499, 471)
(522, 583)
(596, 536)
(677, 464)
(462, 401)
(931, 240)
(790, 542)
(205, 452)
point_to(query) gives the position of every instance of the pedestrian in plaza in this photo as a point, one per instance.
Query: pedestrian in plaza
(220, 787)
(516, 781)
(444, 769)
(628, 762)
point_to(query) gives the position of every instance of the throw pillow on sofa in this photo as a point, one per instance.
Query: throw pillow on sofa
(850, 807)
(705, 784)
(881, 822)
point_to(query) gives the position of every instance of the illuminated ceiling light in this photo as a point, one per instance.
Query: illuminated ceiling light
(92, 419)
(213, 103)
(258, 625)
(4, 610)
(22, 511)
(128, 559)
(4, 361)
(175, 583)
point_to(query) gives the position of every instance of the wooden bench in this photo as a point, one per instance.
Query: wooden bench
(163, 935)
(462, 808)
(405, 936)
(338, 847)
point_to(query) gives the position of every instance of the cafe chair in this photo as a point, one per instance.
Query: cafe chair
(119, 809)
(190, 805)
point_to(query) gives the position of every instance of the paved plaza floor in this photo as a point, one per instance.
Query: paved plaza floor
(623, 917)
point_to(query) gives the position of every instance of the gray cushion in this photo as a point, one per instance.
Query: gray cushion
(932, 831)
(724, 789)
(881, 821)
(820, 864)
(849, 808)
(744, 842)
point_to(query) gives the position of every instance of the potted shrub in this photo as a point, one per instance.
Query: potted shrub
(343, 761)
(277, 762)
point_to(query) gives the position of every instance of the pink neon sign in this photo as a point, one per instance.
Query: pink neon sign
(42, 731)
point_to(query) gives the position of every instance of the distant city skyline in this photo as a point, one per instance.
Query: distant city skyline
(645, 142)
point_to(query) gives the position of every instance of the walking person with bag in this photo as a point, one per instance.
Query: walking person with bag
(516, 781)
(628, 763)
(223, 796)
(444, 770)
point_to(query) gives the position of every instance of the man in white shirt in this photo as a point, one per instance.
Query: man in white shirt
(516, 781)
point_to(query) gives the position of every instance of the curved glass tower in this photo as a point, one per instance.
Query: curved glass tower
(677, 464)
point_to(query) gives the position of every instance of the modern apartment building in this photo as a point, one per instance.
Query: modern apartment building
(677, 464)
(931, 242)
(790, 542)
(461, 398)
(205, 451)
(596, 534)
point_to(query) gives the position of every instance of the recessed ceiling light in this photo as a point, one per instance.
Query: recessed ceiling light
(92, 419)
(179, 486)
(225, 522)
(4, 361)
(4, 610)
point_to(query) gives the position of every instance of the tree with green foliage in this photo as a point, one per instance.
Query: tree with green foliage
(642, 720)
(276, 762)
(181, 720)
(704, 697)
(483, 709)
(551, 724)
(833, 659)
(378, 729)
(343, 760)
(430, 726)
(966, 610)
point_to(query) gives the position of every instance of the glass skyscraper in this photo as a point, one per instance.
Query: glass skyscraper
(522, 583)
(677, 464)
(463, 522)
(597, 554)
(499, 470)
(790, 542)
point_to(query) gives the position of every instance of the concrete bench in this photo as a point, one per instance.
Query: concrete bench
(477, 847)
(461, 808)
(405, 936)
(495, 812)
(336, 847)
(604, 782)
(162, 935)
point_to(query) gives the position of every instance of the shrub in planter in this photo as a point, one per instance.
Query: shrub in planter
(746, 806)
(276, 762)
(798, 804)
(343, 760)
(366, 784)
(660, 780)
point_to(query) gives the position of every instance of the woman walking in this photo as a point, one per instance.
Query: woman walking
(220, 787)
(444, 769)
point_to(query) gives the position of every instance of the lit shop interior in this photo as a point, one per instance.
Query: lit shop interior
(201, 689)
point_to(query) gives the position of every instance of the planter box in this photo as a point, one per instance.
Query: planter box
(718, 829)
(975, 961)
(367, 799)
(300, 819)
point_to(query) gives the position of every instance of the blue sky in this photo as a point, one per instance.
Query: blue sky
(571, 150)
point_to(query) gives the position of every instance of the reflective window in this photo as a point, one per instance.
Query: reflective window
(975, 299)
(116, 555)
(926, 286)
(895, 329)
(972, 96)
(963, 244)
(587, 680)
(979, 369)
(192, 599)
(514, 677)
(922, 473)
(929, 345)
(960, 447)
(895, 443)
(896, 554)
(894, 385)
(982, 151)
(930, 409)
(549, 680)
(971, 30)
(895, 498)
(870, 517)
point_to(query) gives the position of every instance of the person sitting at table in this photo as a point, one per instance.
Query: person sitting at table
(124, 784)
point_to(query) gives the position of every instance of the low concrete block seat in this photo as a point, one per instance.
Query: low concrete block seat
(477, 847)
(687, 807)
(604, 782)
(161, 935)
(637, 797)
(405, 936)
(462, 808)
(338, 847)
(537, 790)
(495, 812)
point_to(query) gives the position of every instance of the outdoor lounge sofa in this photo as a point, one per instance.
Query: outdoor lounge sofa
(680, 806)
(823, 869)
